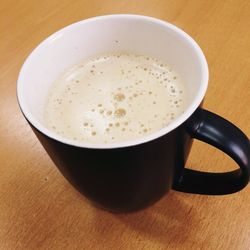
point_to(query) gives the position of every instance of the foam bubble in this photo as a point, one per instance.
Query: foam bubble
(120, 112)
(119, 96)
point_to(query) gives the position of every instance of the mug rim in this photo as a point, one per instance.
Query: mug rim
(144, 139)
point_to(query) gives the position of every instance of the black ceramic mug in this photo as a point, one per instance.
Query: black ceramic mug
(131, 175)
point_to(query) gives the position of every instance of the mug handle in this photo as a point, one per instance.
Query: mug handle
(220, 133)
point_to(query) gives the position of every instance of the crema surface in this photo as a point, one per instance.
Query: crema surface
(113, 98)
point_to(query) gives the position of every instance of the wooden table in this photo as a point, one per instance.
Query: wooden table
(38, 207)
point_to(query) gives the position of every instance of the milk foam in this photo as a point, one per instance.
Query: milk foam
(113, 98)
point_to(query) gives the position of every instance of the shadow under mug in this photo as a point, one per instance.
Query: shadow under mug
(131, 175)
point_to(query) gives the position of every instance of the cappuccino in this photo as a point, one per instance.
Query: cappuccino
(114, 97)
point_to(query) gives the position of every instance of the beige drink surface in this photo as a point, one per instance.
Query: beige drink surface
(113, 98)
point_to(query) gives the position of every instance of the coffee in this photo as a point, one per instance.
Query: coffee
(114, 97)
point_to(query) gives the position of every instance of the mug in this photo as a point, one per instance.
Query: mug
(131, 175)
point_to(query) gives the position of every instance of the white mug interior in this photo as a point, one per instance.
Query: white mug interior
(112, 33)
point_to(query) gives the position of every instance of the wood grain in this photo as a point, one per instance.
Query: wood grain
(40, 210)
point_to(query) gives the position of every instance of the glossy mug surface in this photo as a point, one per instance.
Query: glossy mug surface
(131, 175)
